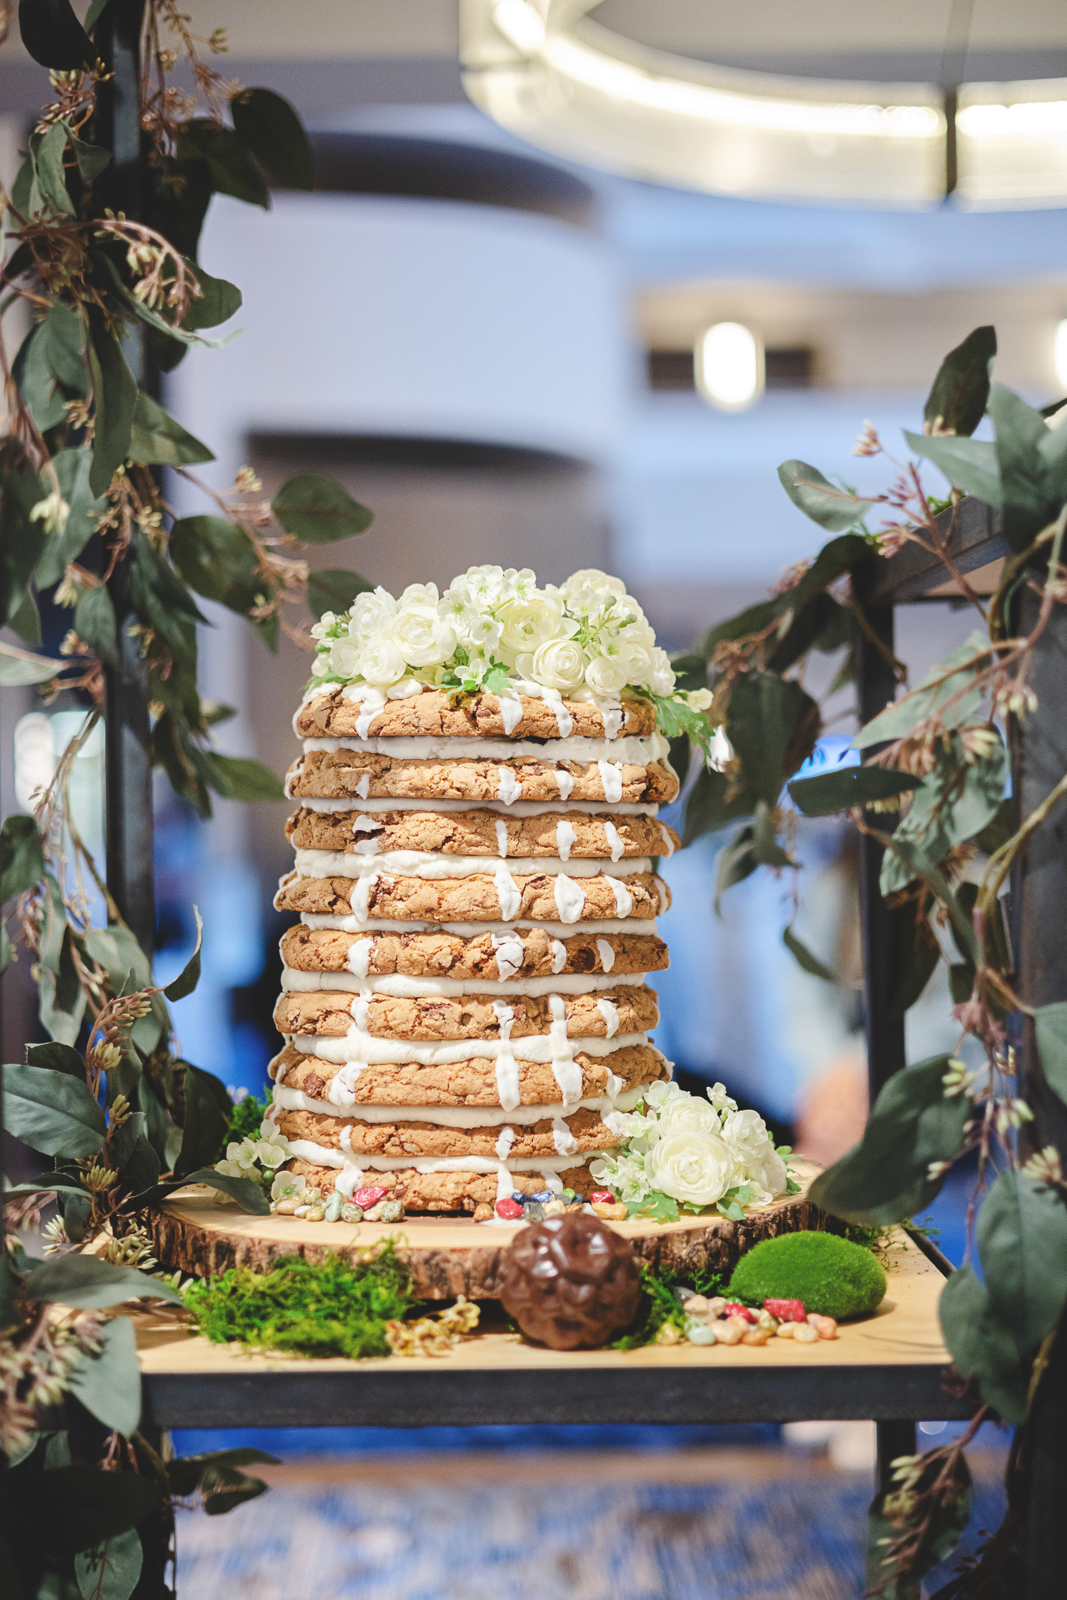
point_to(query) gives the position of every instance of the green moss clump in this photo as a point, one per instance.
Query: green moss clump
(659, 1304)
(245, 1120)
(830, 1275)
(338, 1308)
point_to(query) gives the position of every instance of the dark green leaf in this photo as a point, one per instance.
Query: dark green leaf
(140, 1174)
(970, 465)
(112, 1570)
(830, 792)
(1050, 1023)
(318, 510)
(997, 832)
(884, 1178)
(1025, 499)
(275, 135)
(94, 621)
(170, 331)
(772, 724)
(57, 1057)
(228, 161)
(707, 807)
(217, 302)
(333, 589)
(109, 1384)
(189, 976)
(69, 1509)
(932, 694)
(238, 778)
(47, 150)
(919, 865)
(1055, 406)
(53, 35)
(805, 959)
(88, 1283)
(77, 1214)
(118, 952)
(765, 847)
(185, 1473)
(72, 470)
(1022, 1245)
(52, 1112)
(47, 1183)
(114, 400)
(957, 401)
(219, 561)
(832, 508)
(27, 620)
(21, 856)
(754, 620)
(21, 541)
(157, 440)
(678, 757)
(207, 1117)
(249, 1195)
(822, 625)
(92, 16)
(18, 668)
(90, 157)
(61, 999)
(913, 954)
(981, 1345)
(63, 348)
(955, 803)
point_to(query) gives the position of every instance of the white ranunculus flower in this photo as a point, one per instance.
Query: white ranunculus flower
(559, 664)
(419, 594)
(745, 1132)
(381, 663)
(370, 613)
(322, 667)
(344, 657)
(531, 622)
(686, 1113)
(661, 674)
(771, 1177)
(423, 637)
(607, 675)
(695, 1167)
(699, 699)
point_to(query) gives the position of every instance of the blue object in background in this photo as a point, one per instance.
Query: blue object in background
(524, 1439)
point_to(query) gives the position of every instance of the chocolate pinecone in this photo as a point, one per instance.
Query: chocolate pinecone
(570, 1282)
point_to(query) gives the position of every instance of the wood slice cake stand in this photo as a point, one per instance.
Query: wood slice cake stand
(448, 1256)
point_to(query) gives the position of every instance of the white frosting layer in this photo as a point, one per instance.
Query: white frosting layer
(432, 864)
(405, 988)
(517, 808)
(541, 1048)
(427, 747)
(322, 1156)
(471, 930)
(455, 1116)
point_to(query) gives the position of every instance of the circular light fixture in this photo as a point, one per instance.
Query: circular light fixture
(541, 69)
(728, 364)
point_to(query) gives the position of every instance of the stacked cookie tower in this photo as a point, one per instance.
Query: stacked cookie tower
(464, 1002)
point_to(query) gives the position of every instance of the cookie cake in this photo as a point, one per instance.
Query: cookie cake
(465, 1001)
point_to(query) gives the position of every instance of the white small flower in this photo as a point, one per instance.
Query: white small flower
(53, 511)
(699, 699)
(560, 664)
(720, 1099)
(695, 1167)
(661, 674)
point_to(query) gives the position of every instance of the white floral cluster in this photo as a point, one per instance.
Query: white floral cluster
(493, 627)
(255, 1158)
(700, 1153)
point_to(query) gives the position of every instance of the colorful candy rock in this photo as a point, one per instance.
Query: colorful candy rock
(602, 1197)
(510, 1210)
(369, 1195)
(786, 1310)
(733, 1309)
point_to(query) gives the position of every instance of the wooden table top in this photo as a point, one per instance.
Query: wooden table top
(888, 1366)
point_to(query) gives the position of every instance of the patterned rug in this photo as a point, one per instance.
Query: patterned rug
(724, 1524)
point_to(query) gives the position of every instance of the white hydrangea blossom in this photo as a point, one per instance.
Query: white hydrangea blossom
(699, 1152)
(255, 1158)
(496, 628)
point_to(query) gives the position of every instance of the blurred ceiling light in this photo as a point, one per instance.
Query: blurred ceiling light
(573, 87)
(728, 363)
(1059, 353)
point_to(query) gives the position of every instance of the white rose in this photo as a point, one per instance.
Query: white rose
(745, 1132)
(344, 657)
(381, 663)
(697, 1168)
(661, 674)
(684, 1113)
(370, 613)
(528, 623)
(423, 637)
(595, 588)
(419, 594)
(559, 664)
(607, 675)
(699, 699)
(770, 1176)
